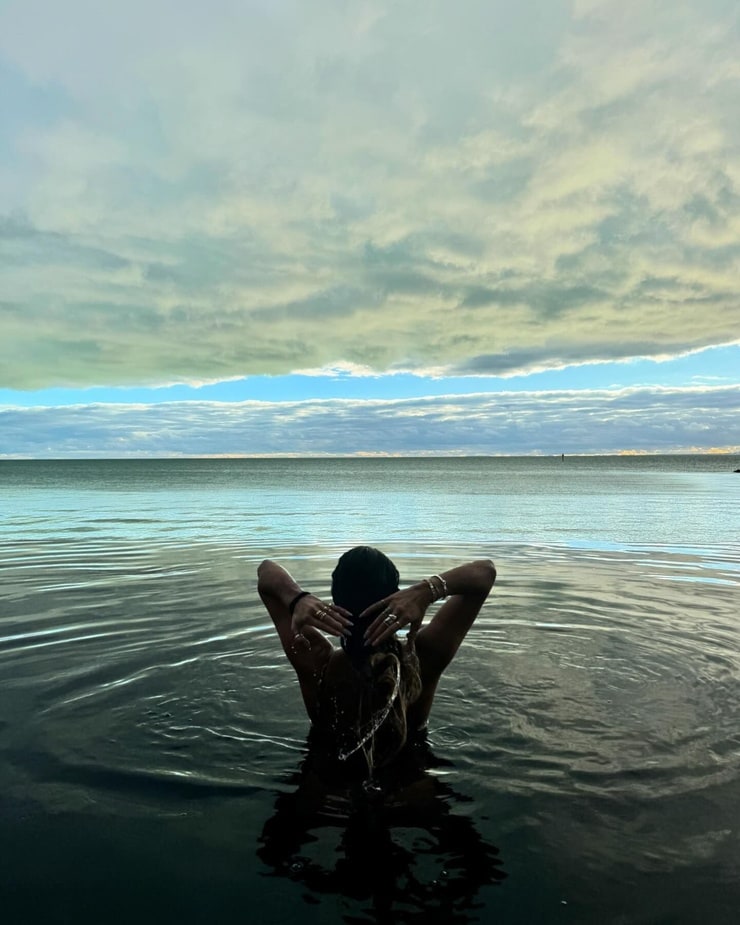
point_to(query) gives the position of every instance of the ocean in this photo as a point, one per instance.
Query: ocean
(583, 757)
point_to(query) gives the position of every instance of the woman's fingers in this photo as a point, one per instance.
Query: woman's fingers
(313, 612)
(371, 633)
(378, 625)
(393, 617)
(385, 623)
(332, 619)
(383, 626)
(379, 637)
(373, 608)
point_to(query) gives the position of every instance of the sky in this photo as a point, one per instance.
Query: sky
(256, 227)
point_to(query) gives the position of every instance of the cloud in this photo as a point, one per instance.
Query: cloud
(638, 419)
(195, 195)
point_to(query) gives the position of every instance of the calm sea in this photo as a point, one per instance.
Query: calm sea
(584, 750)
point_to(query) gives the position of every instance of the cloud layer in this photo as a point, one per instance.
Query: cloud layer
(192, 192)
(573, 422)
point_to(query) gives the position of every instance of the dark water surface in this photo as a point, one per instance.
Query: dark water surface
(583, 762)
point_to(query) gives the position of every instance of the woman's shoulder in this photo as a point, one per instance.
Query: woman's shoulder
(338, 675)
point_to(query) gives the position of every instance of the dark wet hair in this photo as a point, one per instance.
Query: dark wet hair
(370, 713)
(362, 576)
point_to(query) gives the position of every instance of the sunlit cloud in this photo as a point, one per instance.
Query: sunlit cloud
(635, 420)
(194, 193)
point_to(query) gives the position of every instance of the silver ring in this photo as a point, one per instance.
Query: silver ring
(390, 618)
(321, 615)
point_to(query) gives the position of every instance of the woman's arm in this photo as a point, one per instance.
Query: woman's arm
(467, 586)
(308, 650)
(280, 594)
(436, 644)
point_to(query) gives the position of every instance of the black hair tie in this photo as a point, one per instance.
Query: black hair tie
(291, 605)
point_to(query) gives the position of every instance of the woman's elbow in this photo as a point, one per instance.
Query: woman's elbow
(487, 573)
(263, 571)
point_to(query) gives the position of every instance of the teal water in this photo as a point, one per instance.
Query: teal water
(584, 753)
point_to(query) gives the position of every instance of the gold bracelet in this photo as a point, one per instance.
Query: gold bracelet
(435, 593)
(443, 583)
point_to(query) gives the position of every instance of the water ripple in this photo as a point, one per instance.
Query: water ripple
(616, 675)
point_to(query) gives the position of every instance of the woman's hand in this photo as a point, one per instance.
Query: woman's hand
(312, 611)
(404, 608)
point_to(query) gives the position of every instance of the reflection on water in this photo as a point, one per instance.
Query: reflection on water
(588, 727)
(399, 846)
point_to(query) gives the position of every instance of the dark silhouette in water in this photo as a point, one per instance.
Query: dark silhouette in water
(366, 777)
(402, 846)
(375, 691)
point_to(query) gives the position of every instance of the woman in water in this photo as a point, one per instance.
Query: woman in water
(374, 692)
